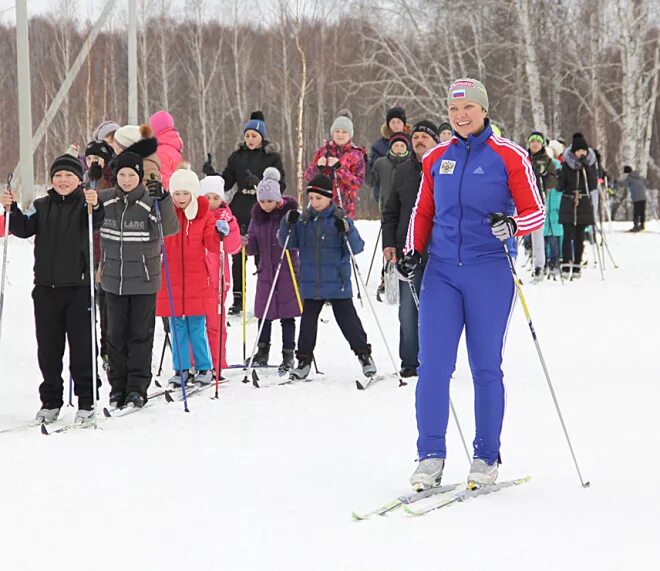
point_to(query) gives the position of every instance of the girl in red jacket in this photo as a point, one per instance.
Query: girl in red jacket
(213, 188)
(190, 278)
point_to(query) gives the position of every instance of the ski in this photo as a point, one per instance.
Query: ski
(363, 384)
(405, 500)
(69, 427)
(467, 493)
(245, 367)
(22, 427)
(190, 390)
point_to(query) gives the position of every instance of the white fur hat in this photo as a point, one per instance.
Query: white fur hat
(215, 184)
(128, 135)
(186, 180)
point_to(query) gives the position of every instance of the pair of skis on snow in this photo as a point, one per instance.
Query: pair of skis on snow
(439, 497)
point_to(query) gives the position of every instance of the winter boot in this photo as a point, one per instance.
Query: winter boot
(237, 308)
(287, 361)
(203, 378)
(481, 473)
(261, 356)
(117, 399)
(537, 276)
(381, 289)
(135, 400)
(368, 365)
(408, 372)
(84, 416)
(47, 415)
(577, 273)
(303, 369)
(177, 378)
(427, 474)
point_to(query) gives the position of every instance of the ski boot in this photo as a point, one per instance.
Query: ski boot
(303, 369)
(135, 400)
(368, 365)
(117, 399)
(537, 275)
(203, 378)
(84, 416)
(482, 473)
(380, 292)
(407, 372)
(427, 474)
(47, 415)
(237, 308)
(260, 358)
(287, 361)
(577, 273)
(176, 379)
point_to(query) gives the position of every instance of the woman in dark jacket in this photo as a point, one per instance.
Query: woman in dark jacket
(245, 167)
(577, 178)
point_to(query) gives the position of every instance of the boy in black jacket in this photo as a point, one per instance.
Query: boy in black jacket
(62, 271)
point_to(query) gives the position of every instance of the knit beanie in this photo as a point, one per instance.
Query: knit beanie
(186, 180)
(466, 88)
(579, 142)
(269, 186)
(320, 184)
(444, 127)
(429, 128)
(399, 138)
(129, 160)
(256, 123)
(627, 169)
(66, 163)
(161, 121)
(127, 135)
(536, 136)
(105, 129)
(214, 184)
(343, 121)
(395, 113)
(99, 149)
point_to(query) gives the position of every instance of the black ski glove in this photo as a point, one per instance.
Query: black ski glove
(207, 167)
(95, 172)
(341, 222)
(156, 189)
(292, 217)
(251, 180)
(502, 226)
(407, 265)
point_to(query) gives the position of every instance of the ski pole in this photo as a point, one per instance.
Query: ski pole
(176, 354)
(402, 383)
(243, 300)
(92, 301)
(70, 403)
(294, 280)
(255, 376)
(415, 297)
(5, 250)
(518, 285)
(221, 315)
(373, 256)
(166, 342)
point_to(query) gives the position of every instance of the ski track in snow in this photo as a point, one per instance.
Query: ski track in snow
(267, 479)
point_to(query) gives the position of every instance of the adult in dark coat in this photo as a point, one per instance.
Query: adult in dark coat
(395, 216)
(577, 179)
(244, 169)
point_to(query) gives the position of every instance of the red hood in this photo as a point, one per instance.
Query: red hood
(171, 138)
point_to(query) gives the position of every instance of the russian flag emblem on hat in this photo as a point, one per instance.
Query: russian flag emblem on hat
(458, 94)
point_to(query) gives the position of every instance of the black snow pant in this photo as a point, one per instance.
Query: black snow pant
(347, 319)
(639, 213)
(573, 244)
(62, 314)
(102, 320)
(131, 324)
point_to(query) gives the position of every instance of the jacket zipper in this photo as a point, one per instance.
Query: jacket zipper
(183, 273)
(319, 237)
(460, 205)
(144, 263)
(121, 248)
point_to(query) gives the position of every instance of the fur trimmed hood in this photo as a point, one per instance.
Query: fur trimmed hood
(145, 147)
(386, 132)
(260, 216)
(574, 163)
(267, 147)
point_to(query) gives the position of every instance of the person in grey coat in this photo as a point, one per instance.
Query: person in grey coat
(636, 186)
(382, 173)
(131, 275)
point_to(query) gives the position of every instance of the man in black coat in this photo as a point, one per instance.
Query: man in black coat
(395, 217)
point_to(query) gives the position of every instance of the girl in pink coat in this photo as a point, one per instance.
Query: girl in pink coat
(213, 188)
(170, 144)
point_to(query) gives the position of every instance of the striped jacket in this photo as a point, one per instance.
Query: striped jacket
(130, 240)
(462, 182)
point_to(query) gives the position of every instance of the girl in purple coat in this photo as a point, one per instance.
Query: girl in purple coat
(262, 242)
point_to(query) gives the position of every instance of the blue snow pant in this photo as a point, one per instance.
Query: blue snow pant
(190, 332)
(408, 321)
(478, 298)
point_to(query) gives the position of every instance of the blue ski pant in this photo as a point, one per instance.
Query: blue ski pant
(190, 334)
(478, 298)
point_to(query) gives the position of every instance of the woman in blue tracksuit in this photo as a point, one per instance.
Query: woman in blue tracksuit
(478, 190)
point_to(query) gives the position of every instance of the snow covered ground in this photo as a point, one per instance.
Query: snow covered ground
(267, 479)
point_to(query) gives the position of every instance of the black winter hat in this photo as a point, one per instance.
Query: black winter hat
(320, 184)
(100, 149)
(395, 113)
(129, 160)
(444, 127)
(579, 142)
(66, 163)
(627, 169)
(429, 128)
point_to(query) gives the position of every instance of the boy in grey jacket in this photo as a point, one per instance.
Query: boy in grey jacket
(131, 275)
(636, 186)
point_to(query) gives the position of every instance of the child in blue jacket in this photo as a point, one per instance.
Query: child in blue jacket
(320, 235)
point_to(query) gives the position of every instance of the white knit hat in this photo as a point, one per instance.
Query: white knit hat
(128, 135)
(186, 180)
(214, 184)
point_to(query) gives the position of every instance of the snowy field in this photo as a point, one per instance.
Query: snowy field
(267, 479)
